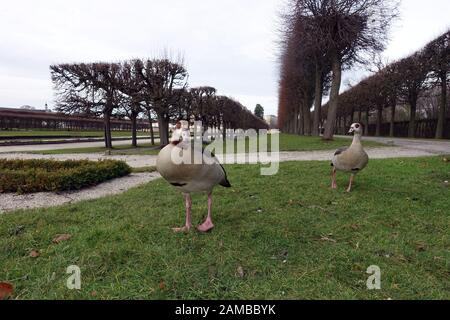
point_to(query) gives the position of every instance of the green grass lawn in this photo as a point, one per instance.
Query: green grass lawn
(288, 142)
(72, 133)
(291, 142)
(290, 236)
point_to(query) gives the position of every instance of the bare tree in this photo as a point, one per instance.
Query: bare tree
(131, 85)
(203, 99)
(162, 78)
(75, 82)
(438, 55)
(341, 33)
(414, 73)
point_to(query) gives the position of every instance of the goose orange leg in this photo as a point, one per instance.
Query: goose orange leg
(352, 176)
(208, 224)
(333, 179)
(188, 225)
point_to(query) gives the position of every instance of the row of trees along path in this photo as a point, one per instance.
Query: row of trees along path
(156, 89)
(320, 38)
(400, 85)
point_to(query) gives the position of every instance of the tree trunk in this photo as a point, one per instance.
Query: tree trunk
(107, 122)
(392, 125)
(133, 129)
(307, 122)
(442, 107)
(379, 121)
(338, 129)
(299, 120)
(317, 101)
(163, 125)
(307, 116)
(152, 133)
(412, 119)
(334, 97)
(295, 123)
(224, 132)
(366, 122)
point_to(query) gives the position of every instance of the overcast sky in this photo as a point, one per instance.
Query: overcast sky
(228, 44)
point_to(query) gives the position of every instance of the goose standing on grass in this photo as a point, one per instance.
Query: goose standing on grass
(350, 159)
(189, 177)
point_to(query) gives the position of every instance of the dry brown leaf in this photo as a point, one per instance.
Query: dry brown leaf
(421, 246)
(61, 237)
(6, 290)
(240, 272)
(162, 285)
(34, 254)
(328, 239)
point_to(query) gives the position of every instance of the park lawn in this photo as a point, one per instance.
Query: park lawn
(72, 133)
(287, 236)
(287, 142)
(292, 142)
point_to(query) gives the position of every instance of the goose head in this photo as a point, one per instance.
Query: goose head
(356, 128)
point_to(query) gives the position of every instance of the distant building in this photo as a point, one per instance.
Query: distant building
(272, 121)
(30, 118)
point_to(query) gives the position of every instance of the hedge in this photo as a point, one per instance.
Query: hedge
(26, 176)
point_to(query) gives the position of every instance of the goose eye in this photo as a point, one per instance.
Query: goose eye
(357, 126)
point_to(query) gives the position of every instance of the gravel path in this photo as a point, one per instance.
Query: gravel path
(59, 146)
(12, 201)
(428, 145)
(137, 161)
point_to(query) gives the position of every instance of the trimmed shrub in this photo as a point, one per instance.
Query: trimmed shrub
(26, 176)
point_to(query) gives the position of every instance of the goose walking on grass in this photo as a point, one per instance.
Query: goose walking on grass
(351, 159)
(191, 177)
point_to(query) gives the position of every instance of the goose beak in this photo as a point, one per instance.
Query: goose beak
(351, 130)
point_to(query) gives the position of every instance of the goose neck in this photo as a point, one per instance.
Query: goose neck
(356, 138)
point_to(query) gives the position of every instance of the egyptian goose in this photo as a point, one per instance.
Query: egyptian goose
(178, 164)
(350, 159)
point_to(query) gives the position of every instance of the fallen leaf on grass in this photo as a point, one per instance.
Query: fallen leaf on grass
(421, 246)
(34, 254)
(328, 239)
(61, 237)
(6, 290)
(240, 272)
(400, 258)
(162, 285)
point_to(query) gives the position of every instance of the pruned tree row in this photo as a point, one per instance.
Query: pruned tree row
(155, 89)
(399, 86)
(320, 38)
